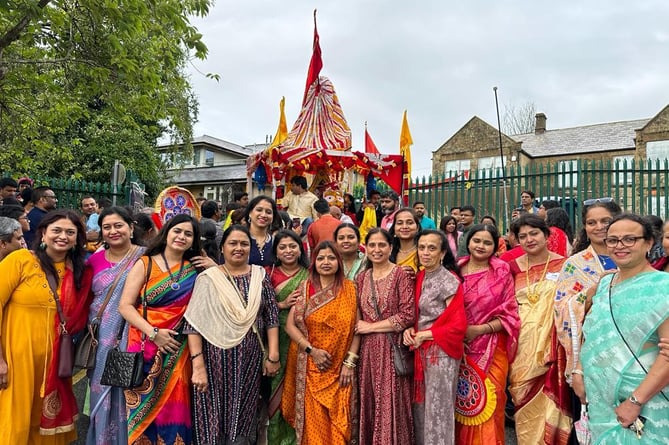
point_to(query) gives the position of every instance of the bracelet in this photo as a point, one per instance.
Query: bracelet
(634, 401)
(154, 334)
(349, 364)
(194, 356)
(274, 362)
(492, 330)
(577, 372)
(352, 357)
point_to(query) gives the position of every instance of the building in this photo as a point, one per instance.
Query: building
(216, 170)
(476, 145)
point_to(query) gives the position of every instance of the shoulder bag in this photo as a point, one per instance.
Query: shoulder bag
(66, 352)
(126, 369)
(87, 348)
(402, 356)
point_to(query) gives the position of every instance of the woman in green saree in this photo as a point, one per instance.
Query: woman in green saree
(287, 273)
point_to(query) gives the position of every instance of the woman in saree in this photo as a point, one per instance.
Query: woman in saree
(286, 275)
(110, 267)
(449, 225)
(438, 340)
(387, 307)
(318, 398)
(626, 381)
(493, 325)
(232, 310)
(579, 276)
(159, 410)
(38, 406)
(536, 377)
(347, 238)
(406, 226)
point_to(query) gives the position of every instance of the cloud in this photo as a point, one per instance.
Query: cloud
(579, 62)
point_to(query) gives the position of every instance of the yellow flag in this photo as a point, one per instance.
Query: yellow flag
(405, 143)
(282, 130)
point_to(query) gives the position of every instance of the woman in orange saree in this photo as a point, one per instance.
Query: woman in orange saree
(159, 411)
(536, 378)
(319, 388)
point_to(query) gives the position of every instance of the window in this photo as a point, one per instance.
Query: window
(623, 166)
(457, 168)
(167, 159)
(209, 158)
(491, 167)
(567, 174)
(657, 150)
(196, 156)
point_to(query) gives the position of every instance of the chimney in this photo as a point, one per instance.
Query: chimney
(540, 123)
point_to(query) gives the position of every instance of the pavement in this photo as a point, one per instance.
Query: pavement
(80, 382)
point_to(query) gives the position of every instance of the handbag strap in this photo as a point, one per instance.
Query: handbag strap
(112, 287)
(376, 306)
(54, 289)
(119, 337)
(623, 338)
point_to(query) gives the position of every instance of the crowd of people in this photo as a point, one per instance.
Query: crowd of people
(316, 322)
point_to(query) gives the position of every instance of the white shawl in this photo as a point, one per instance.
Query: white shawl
(216, 309)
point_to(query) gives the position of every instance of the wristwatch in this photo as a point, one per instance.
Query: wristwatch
(153, 334)
(308, 349)
(634, 401)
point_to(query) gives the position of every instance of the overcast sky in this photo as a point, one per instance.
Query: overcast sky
(579, 62)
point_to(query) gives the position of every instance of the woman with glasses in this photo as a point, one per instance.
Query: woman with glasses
(536, 377)
(579, 276)
(626, 382)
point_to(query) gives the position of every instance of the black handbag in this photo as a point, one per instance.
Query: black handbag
(402, 356)
(126, 369)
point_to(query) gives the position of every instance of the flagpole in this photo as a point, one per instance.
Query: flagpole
(501, 157)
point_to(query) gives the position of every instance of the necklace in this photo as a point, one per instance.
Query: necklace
(110, 260)
(174, 281)
(407, 250)
(532, 294)
(473, 269)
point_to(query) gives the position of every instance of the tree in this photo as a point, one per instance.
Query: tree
(84, 82)
(519, 119)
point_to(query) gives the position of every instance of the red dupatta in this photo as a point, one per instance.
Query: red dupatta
(448, 333)
(59, 407)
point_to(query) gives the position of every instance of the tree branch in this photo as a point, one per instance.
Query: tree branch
(15, 32)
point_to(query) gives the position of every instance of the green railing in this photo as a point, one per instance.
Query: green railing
(641, 187)
(70, 191)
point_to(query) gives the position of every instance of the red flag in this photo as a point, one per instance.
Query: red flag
(370, 147)
(393, 176)
(315, 64)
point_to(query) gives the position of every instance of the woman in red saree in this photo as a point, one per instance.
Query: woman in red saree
(438, 339)
(159, 410)
(492, 331)
(537, 376)
(319, 388)
(37, 406)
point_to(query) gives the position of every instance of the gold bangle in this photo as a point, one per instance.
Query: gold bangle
(349, 364)
(352, 356)
(577, 372)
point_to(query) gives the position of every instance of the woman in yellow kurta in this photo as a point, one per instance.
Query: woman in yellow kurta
(37, 406)
(406, 226)
(536, 377)
(319, 389)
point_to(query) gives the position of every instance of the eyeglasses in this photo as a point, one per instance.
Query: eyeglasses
(626, 241)
(24, 217)
(589, 202)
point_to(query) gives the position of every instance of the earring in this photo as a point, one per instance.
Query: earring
(42, 246)
(105, 245)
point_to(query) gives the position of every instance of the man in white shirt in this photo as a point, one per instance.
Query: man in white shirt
(299, 202)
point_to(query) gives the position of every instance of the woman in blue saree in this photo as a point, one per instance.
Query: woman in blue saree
(110, 269)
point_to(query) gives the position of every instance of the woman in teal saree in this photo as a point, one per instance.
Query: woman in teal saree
(286, 275)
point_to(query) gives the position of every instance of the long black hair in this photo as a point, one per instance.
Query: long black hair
(396, 240)
(123, 213)
(159, 243)
(277, 222)
(303, 260)
(76, 255)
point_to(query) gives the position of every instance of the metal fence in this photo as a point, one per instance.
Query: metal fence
(641, 187)
(70, 191)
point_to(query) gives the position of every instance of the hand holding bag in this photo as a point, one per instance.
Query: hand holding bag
(402, 356)
(87, 348)
(126, 369)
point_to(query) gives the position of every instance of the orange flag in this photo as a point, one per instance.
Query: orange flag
(405, 150)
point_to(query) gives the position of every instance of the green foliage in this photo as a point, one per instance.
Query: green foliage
(85, 82)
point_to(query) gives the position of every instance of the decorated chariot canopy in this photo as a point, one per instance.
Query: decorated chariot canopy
(320, 141)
